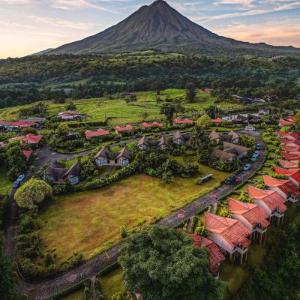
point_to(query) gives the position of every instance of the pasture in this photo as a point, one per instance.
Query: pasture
(89, 222)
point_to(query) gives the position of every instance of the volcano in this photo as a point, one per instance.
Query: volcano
(160, 27)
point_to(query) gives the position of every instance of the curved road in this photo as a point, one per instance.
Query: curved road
(47, 288)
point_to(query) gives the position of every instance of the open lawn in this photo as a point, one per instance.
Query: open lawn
(5, 183)
(89, 222)
(121, 112)
(112, 283)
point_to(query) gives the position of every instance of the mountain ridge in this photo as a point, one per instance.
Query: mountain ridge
(160, 27)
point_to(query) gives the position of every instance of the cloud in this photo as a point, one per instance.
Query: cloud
(75, 4)
(18, 2)
(282, 33)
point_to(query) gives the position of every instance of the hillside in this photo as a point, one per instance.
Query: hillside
(160, 27)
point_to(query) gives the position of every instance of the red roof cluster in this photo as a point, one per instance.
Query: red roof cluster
(290, 155)
(217, 121)
(151, 124)
(289, 164)
(183, 121)
(96, 133)
(251, 212)
(19, 124)
(215, 255)
(29, 138)
(125, 128)
(285, 172)
(271, 198)
(287, 121)
(231, 230)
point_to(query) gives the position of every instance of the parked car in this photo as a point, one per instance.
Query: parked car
(204, 179)
(232, 180)
(247, 167)
(258, 146)
(18, 181)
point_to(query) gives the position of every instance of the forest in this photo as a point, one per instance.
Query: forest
(34, 78)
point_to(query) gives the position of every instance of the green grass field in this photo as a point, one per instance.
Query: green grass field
(112, 283)
(5, 183)
(89, 222)
(121, 112)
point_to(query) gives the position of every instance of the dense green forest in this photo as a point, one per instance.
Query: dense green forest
(29, 79)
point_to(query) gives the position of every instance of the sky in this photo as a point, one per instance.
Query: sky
(29, 26)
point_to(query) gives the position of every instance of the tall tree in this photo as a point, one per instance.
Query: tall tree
(168, 109)
(190, 92)
(163, 264)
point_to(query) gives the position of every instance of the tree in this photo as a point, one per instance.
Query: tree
(168, 110)
(32, 193)
(71, 106)
(162, 263)
(15, 160)
(190, 92)
(7, 287)
(203, 121)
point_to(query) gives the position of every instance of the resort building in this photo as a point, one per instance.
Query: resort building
(215, 137)
(287, 189)
(71, 115)
(59, 175)
(289, 164)
(29, 139)
(285, 172)
(127, 129)
(286, 121)
(147, 125)
(270, 201)
(215, 255)
(105, 157)
(250, 215)
(185, 121)
(90, 134)
(238, 150)
(229, 234)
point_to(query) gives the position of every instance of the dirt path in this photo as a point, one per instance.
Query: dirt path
(47, 288)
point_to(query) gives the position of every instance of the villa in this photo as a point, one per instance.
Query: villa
(124, 129)
(238, 150)
(105, 157)
(285, 172)
(147, 125)
(251, 215)
(215, 137)
(29, 139)
(289, 164)
(229, 234)
(71, 115)
(59, 175)
(286, 121)
(183, 121)
(90, 134)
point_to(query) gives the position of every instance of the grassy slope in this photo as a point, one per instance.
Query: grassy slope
(94, 217)
(120, 111)
(5, 183)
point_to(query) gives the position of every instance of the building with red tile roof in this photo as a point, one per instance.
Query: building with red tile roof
(271, 201)
(290, 147)
(285, 188)
(295, 178)
(285, 172)
(89, 134)
(17, 124)
(229, 234)
(124, 129)
(289, 164)
(290, 155)
(30, 139)
(215, 255)
(27, 153)
(217, 121)
(147, 125)
(286, 121)
(288, 136)
(251, 215)
(183, 121)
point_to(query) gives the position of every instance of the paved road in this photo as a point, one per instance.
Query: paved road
(46, 289)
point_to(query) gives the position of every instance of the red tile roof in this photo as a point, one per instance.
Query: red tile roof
(289, 164)
(151, 124)
(288, 136)
(217, 121)
(296, 176)
(290, 155)
(285, 172)
(215, 255)
(287, 122)
(251, 212)
(126, 128)
(271, 198)
(96, 133)
(27, 153)
(183, 121)
(29, 138)
(233, 231)
(20, 124)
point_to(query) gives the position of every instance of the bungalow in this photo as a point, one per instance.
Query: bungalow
(233, 137)
(124, 129)
(215, 255)
(238, 150)
(291, 155)
(71, 115)
(183, 121)
(289, 164)
(105, 157)
(180, 138)
(90, 134)
(223, 155)
(290, 147)
(270, 201)
(287, 189)
(217, 121)
(286, 122)
(146, 143)
(288, 136)
(295, 178)
(147, 125)
(215, 137)
(29, 139)
(16, 125)
(251, 215)
(229, 234)
(285, 172)
(59, 175)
